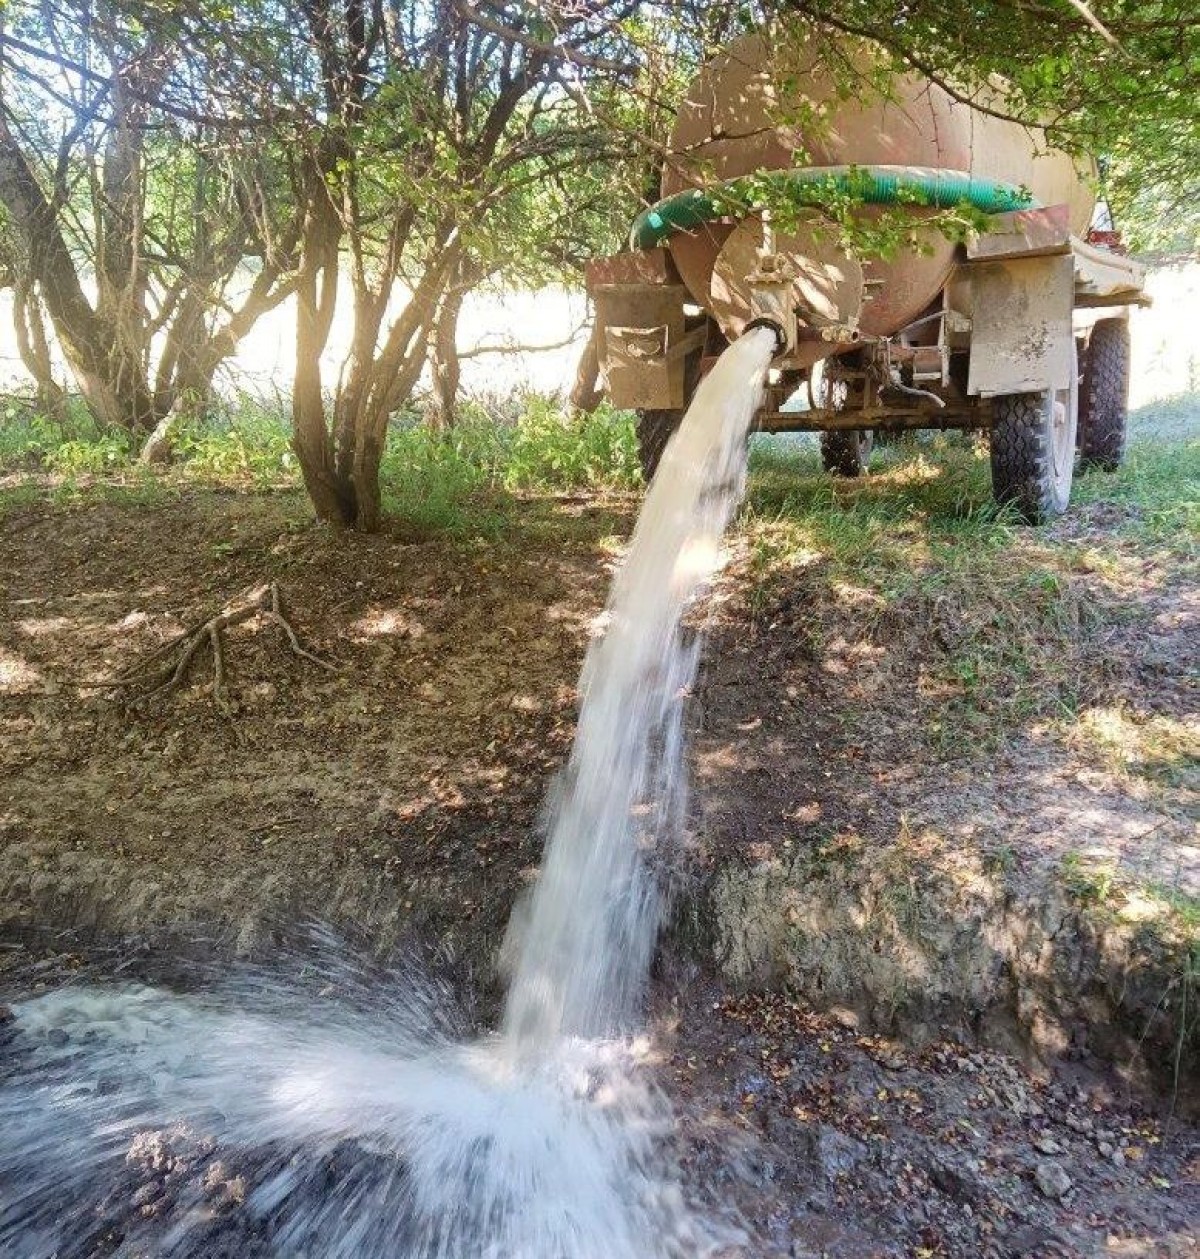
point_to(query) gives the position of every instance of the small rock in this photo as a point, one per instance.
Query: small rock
(57, 1037)
(1054, 1183)
(832, 1153)
(6, 1015)
(1106, 1149)
(1032, 1240)
(215, 1177)
(219, 1184)
(1117, 1158)
(957, 1179)
(1046, 1144)
(147, 1194)
(151, 1150)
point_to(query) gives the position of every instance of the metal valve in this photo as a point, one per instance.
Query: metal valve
(773, 296)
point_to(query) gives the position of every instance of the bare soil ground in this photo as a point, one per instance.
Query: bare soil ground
(398, 793)
(934, 866)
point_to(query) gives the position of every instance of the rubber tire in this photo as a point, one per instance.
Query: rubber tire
(654, 429)
(1022, 469)
(847, 451)
(844, 451)
(1104, 396)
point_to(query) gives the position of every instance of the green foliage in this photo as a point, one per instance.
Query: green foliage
(1184, 906)
(26, 438)
(70, 442)
(435, 484)
(453, 482)
(1088, 882)
(549, 448)
(104, 453)
(457, 482)
(245, 442)
(1127, 95)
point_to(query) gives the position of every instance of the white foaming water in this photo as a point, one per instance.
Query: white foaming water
(364, 1124)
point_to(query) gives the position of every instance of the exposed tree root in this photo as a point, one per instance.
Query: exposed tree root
(166, 669)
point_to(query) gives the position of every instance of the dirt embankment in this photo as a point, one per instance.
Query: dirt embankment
(398, 794)
(1022, 892)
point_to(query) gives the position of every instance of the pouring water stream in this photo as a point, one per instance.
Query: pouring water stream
(591, 928)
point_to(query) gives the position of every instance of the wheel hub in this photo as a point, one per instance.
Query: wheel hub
(1062, 415)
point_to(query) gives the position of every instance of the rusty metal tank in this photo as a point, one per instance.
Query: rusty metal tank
(768, 103)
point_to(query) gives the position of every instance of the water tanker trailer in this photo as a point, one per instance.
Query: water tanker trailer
(1020, 330)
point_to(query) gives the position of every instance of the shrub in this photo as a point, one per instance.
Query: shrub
(246, 440)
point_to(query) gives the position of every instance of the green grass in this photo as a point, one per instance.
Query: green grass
(1169, 914)
(1183, 907)
(469, 482)
(1169, 419)
(921, 502)
(1162, 750)
(918, 562)
(1089, 883)
(1159, 484)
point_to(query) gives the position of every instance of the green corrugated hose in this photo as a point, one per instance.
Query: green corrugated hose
(814, 185)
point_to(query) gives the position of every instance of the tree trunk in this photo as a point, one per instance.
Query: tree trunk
(191, 401)
(444, 364)
(116, 397)
(34, 348)
(158, 447)
(368, 497)
(316, 300)
(341, 461)
(586, 393)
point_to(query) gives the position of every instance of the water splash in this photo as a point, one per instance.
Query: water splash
(347, 1132)
(342, 1113)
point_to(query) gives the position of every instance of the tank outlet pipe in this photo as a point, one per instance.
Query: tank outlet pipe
(766, 321)
(915, 393)
(916, 186)
(772, 295)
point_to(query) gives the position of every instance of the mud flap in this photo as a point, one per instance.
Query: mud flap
(636, 370)
(1021, 338)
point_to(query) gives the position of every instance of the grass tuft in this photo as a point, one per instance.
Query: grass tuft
(925, 568)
